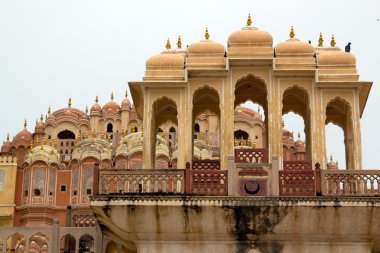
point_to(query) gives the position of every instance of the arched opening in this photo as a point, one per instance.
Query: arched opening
(109, 128)
(67, 244)
(172, 130)
(164, 113)
(86, 244)
(338, 112)
(38, 243)
(335, 146)
(206, 107)
(16, 243)
(296, 118)
(251, 112)
(66, 135)
(240, 134)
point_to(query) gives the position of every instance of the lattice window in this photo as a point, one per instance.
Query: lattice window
(52, 180)
(39, 179)
(88, 181)
(74, 181)
(26, 181)
(2, 179)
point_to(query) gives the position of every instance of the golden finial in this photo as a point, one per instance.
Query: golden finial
(41, 117)
(163, 134)
(102, 135)
(69, 102)
(126, 93)
(320, 40)
(292, 33)
(86, 135)
(299, 135)
(283, 124)
(206, 139)
(96, 99)
(241, 141)
(123, 132)
(51, 143)
(254, 144)
(31, 146)
(133, 129)
(207, 35)
(25, 123)
(7, 136)
(249, 20)
(248, 142)
(44, 141)
(86, 109)
(332, 41)
(37, 142)
(93, 134)
(200, 136)
(78, 138)
(109, 137)
(112, 97)
(45, 117)
(168, 46)
(179, 42)
(55, 143)
(331, 158)
(49, 110)
(235, 142)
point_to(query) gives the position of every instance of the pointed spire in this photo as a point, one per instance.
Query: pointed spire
(96, 99)
(249, 20)
(86, 109)
(207, 35)
(49, 110)
(69, 104)
(331, 158)
(45, 117)
(292, 34)
(332, 43)
(299, 135)
(31, 146)
(126, 93)
(41, 117)
(112, 97)
(8, 136)
(283, 124)
(320, 40)
(168, 46)
(25, 123)
(179, 42)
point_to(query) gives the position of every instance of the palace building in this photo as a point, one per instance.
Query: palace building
(188, 167)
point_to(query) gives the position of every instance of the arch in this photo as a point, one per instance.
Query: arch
(296, 99)
(238, 134)
(16, 242)
(338, 111)
(109, 128)
(86, 243)
(65, 135)
(197, 128)
(67, 244)
(159, 130)
(172, 130)
(38, 243)
(253, 88)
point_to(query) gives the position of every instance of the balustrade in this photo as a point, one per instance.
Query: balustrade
(297, 179)
(350, 182)
(251, 155)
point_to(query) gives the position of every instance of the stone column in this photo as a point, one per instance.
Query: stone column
(227, 126)
(148, 138)
(26, 243)
(54, 247)
(232, 179)
(77, 245)
(188, 138)
(274, 180)
(181, 150)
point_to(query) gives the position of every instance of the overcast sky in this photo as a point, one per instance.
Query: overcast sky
(53, 50)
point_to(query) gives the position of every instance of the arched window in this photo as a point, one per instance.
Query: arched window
(109, 128)
(172, 130)
(159, 130)
(37, 192)
(66, 134)
(196, 128)
(240, 133)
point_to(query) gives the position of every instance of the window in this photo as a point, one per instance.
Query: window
(172, 130)
(2, 179)
(88, 191)
(256, 137)
(109, 128)
(66, 134)
(37, 192)
(26, 193)
(75, 193)
(196, 128)
(63, 188)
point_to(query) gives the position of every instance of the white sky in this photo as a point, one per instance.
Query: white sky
(53, 50)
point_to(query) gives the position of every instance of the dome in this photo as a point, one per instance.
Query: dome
(95, 108)
(208, 47)
(6, 145)
(335, 57)
(125, 104)
(166, 59)
(299, 143)
(250, 36)
(294, 46)
(111, 105)
(23, 135)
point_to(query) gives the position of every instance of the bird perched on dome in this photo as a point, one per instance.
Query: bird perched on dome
(348, 47)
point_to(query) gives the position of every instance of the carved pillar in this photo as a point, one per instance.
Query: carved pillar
(274, 180)
(54, 247)
(232, 180)
(148, 137)
(181, 148)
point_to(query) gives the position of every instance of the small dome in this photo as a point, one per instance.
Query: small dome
(95, 108)
(23, 135)
(208, 47)
(69, 113)
(6, 146)
(166, 59)
(299, 143)
(111, 105)
(335, 57)
(125, 104)
(287, 133)
(39, 127)
(294, 46)
(250, 36)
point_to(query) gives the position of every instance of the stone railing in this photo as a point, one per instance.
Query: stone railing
(251, 155)
(206, 164)
(208, 182)
(298, 179)
(350, 182)
(141, 181)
